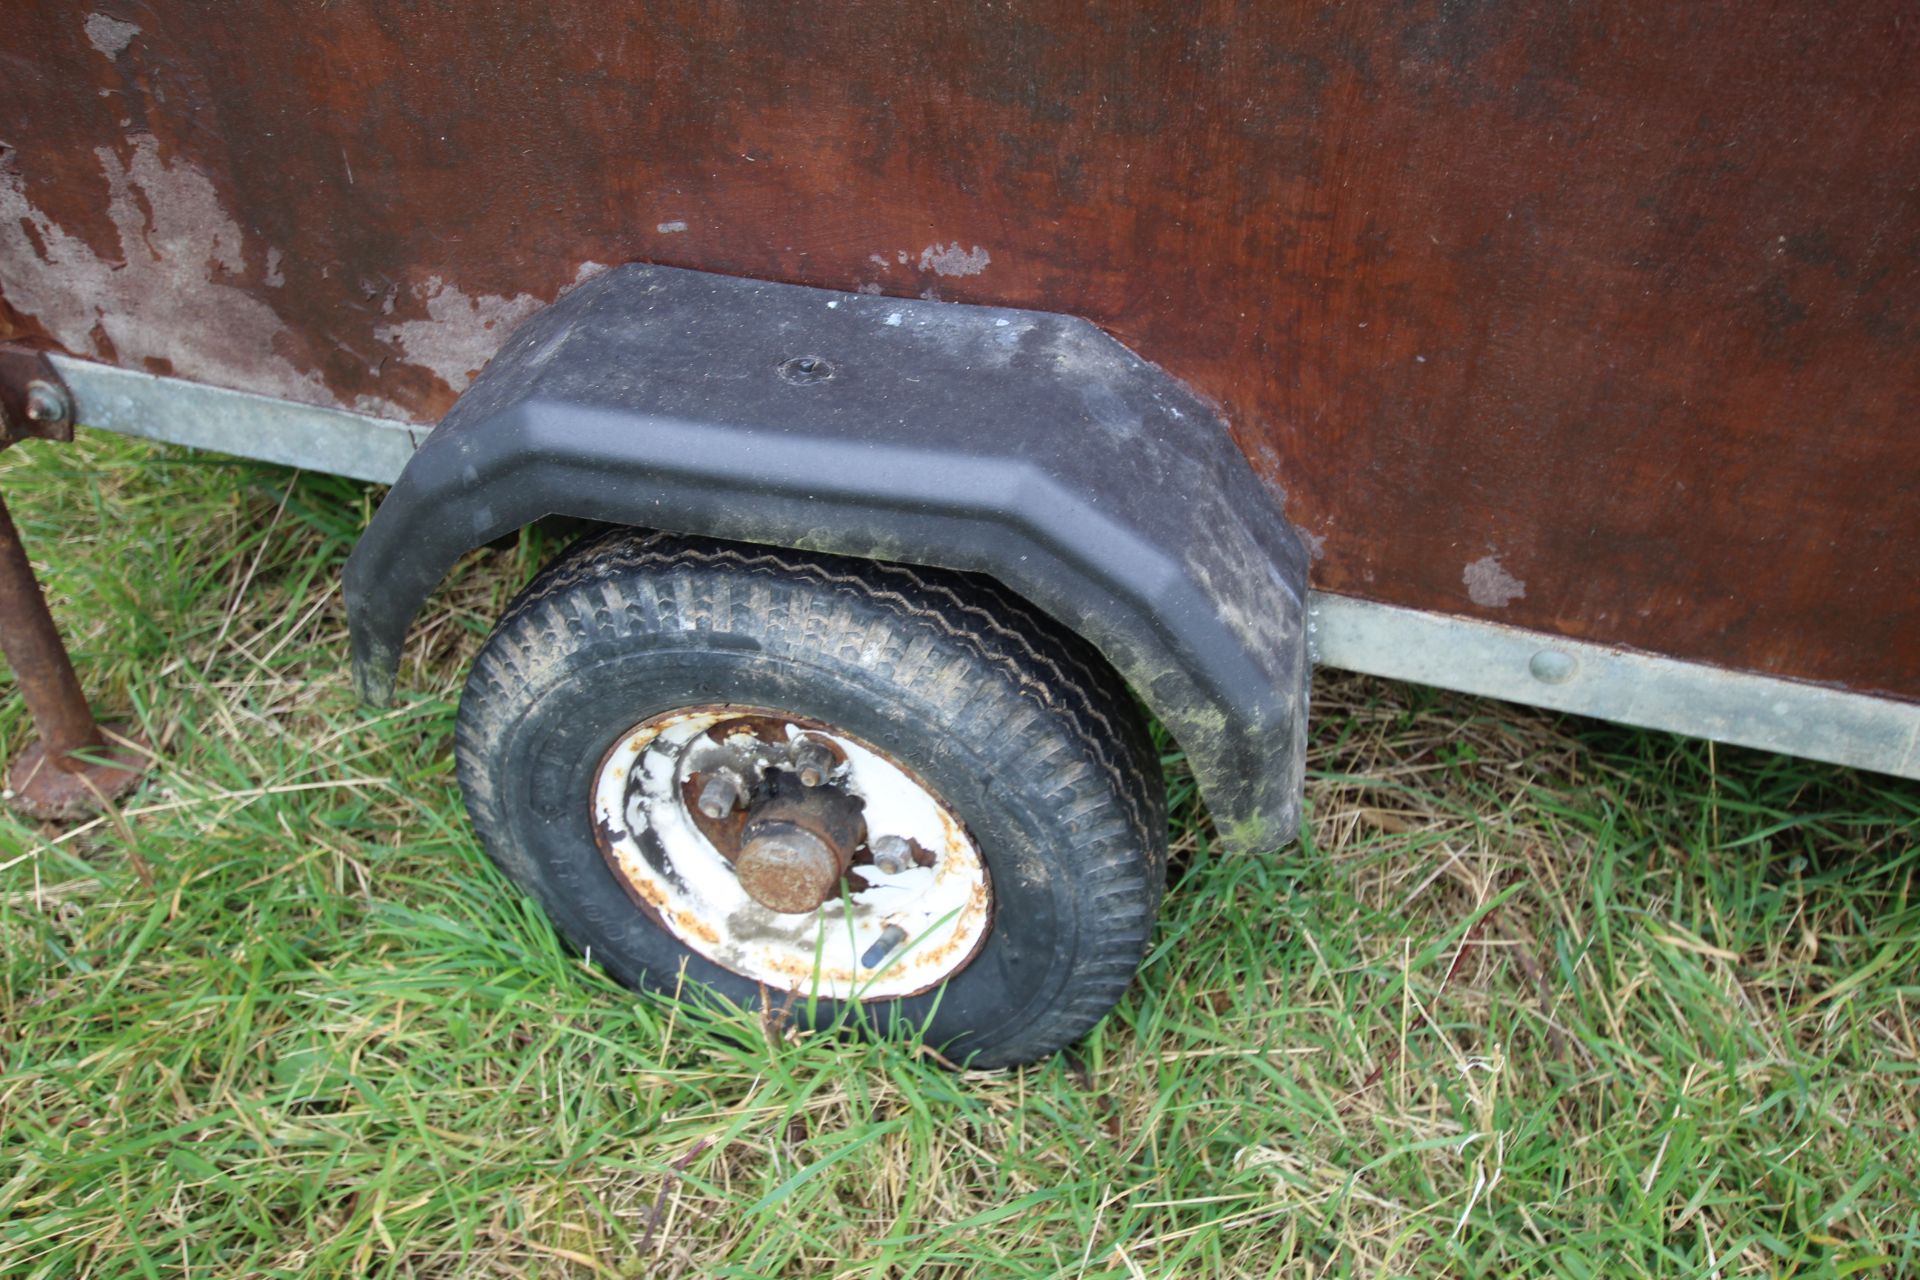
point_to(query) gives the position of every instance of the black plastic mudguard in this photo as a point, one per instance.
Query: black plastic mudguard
(1020, 444)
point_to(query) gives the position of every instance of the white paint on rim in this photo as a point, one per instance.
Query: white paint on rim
(654, 844)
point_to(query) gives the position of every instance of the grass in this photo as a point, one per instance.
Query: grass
(1536, 996)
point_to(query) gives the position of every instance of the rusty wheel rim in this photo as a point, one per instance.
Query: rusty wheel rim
(897, 920)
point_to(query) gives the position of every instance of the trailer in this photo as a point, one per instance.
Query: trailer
(950, 382)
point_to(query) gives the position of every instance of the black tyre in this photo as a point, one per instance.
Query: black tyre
(783, 770)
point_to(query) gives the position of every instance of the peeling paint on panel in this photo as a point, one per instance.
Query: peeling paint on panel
(172, 297)
(110, 35)
(953, 260)
(1353, 177)
(461, 333)
(1489, 584)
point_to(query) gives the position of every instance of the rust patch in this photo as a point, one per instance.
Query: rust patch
(688, 922)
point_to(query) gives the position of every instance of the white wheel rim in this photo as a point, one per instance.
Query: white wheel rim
(923, 923)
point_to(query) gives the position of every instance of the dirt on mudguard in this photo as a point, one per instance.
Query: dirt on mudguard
(1023, 445)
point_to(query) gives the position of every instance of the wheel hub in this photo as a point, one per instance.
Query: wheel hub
(789, 870)
(801, 827)
(791, 852)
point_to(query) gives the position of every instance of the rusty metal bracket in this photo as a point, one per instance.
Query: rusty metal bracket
(74, 768)
(35, 403)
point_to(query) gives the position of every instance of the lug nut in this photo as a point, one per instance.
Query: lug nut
(891, 854)
(812, 761)
(883, 946)
(720, 795)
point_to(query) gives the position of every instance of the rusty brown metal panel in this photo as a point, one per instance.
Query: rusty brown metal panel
(1596, 319)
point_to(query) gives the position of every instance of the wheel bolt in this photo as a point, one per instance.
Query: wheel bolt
(812, 761)
(720, 795)
(47, 404)
(883, 946)
(891, 854)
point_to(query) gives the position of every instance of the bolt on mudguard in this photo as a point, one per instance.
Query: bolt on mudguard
(1024, 445)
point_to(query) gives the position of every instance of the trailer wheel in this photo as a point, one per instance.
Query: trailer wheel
(815, 780)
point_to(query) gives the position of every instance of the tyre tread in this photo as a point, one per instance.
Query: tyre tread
(1000, 667)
